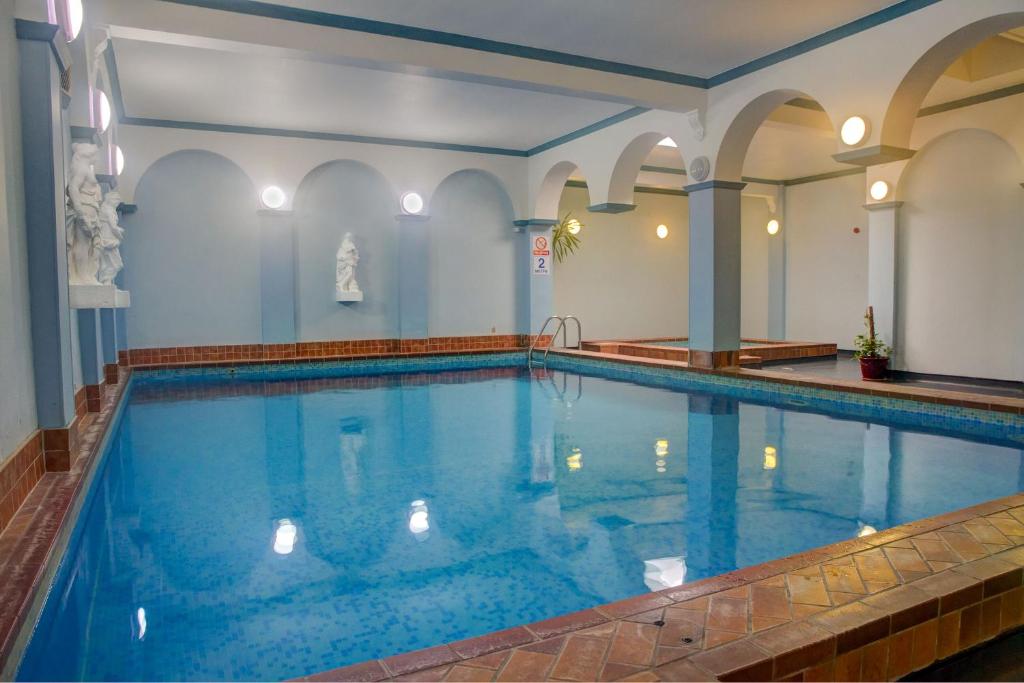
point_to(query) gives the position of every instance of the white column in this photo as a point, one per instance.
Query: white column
(535, 278)
(777, 269)
(883, 221)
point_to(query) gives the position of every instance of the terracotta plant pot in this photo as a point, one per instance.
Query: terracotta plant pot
(874, 368)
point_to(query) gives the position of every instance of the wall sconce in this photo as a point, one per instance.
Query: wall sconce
(771, 458)
(879, 190)
(773, 227)
(273, 197)
(103, 103)
(411, 203)
(118, 160)
(662, 232)
(574, 226)
(74, 14)
(854, 131)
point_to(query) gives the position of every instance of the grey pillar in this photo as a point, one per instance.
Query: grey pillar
(42, 55)
(535, 281)
(277, 277)
(714, 273)
(883, 222)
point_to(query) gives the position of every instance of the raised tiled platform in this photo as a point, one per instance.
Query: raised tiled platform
(875, 608)
(766, 350)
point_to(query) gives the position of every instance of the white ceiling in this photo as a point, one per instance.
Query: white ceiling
(695, 37)
(192, 84)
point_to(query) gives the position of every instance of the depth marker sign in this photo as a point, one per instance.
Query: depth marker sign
(541, 256)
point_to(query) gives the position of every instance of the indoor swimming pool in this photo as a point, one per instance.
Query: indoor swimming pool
(271, 523)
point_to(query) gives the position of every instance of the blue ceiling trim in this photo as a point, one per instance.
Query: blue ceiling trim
(314, 135)
(587, 130)
(115, 81)
(895, 11)
(384, 28)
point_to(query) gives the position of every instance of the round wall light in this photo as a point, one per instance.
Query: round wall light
(772, 227)
(854, 130)
(75, 15)
(104, 106)
(662, 232)
(273, 197)
(411, 203)
(118, 160)
(879, 190)
(573, 226)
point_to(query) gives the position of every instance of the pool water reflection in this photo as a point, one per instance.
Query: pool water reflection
(266, 530)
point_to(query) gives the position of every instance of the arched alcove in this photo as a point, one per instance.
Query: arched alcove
(903, 108)
(192, 254)
(549, 192)
(335, 198)
(628, 166)
(473, 271)
(959, 250)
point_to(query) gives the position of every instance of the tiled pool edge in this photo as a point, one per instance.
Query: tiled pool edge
(900, 609)
(769, 385)
(33, 544)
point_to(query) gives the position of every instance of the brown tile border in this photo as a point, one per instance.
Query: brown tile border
(31, 537)
(190, 356)
(753, 623)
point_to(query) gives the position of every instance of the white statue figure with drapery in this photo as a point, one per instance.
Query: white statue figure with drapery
(83, 228)
(345, 287)
(109, 243)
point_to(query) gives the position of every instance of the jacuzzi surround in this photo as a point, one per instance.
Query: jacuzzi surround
(416, 661)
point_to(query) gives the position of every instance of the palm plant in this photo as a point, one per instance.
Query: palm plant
(565, 238)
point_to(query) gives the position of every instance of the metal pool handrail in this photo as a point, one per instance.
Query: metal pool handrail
(561, 328)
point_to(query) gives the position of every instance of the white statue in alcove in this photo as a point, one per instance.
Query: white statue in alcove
(345, 287)
(110, 236)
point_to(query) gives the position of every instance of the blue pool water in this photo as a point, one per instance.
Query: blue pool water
(251, 529)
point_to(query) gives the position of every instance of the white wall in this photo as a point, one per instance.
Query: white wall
(17, 388)
(625, 283)
(961, 247)
(826, 262)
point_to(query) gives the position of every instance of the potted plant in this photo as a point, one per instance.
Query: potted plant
(871, 351)
(565, 238)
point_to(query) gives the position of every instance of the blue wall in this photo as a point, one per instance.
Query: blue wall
(473, 257)
(339, 197)
(192, 254)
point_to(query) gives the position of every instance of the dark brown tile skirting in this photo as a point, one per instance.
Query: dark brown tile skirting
(19, 474)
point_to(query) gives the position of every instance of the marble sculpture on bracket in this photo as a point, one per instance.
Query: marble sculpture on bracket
(83, 229)
(109, 243)
(345, 286)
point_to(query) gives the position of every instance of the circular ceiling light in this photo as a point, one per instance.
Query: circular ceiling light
(118, 160)
(412, 203)
(662, 232)
(75, 15)
(879, 190)
(574, 226)
(773, 227)
(854, 130)
(104, 105)
(273, 197)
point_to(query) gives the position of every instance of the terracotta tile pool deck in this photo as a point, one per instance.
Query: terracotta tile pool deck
(872, 608)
